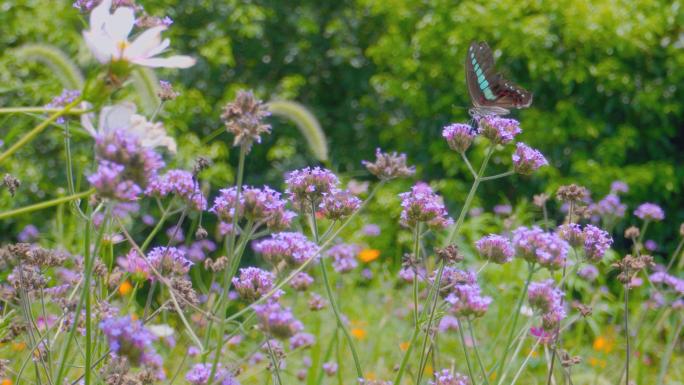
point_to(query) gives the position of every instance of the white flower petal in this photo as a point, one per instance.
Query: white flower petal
(178, 61)
(145, 43)
(120, 24)
(99, 15)
(116, 117)
(100, 45)
(159, 48)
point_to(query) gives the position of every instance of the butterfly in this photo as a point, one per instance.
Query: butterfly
(490, 92)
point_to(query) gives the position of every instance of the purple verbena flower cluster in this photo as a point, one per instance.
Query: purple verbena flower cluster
(62, 100)
(308, 186)
(180, 183)
(292, 248)
(537, 246)
(259, 205)
(344, 257)
(495, 248)
(463, 293)
(169, 260)
(596, 242)
(527, 160)
(547, 299)
(339, 204)
(199, 375)
(131, 339)
(253, 283)
(447, 377)
(276, 320)
(422, 205)
(650, 212)
(459, 136)
(498, 130)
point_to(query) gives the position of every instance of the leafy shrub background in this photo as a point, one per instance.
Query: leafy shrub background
(607, 78)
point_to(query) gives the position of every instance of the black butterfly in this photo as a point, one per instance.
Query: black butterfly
(490, 92)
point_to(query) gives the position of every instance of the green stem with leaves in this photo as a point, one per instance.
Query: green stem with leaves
(37, 130)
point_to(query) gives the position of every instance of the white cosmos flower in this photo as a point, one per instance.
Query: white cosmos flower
(123, 117)
(107, 38)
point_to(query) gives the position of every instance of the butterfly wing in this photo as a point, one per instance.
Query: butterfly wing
(487, 87)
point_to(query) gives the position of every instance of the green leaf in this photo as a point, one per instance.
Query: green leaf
(307, 124)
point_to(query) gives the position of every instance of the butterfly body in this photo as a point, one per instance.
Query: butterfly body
(490, 92)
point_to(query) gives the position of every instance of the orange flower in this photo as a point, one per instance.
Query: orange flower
(18, 346)
(125, 288)
(404, 346)
(369, 255)
(359, 334)
(603, 344)
(6, 381)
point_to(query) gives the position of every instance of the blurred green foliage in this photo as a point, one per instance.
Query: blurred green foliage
(607, 77)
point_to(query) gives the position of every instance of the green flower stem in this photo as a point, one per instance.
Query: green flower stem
(477, 351)
(497, 176)
(465, 350)
(37, 130)
(38, 109)
(664, 363)
(333, 301)
(442, 264)
(87, 276)
(46, 204)
(516, 315)
(471, 195)
(231, 248)
(416, 251)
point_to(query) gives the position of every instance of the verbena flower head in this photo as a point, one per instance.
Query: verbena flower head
(536, 246)
(409, 273)
(503, 210)
(253, 283)
(166, 91)
(307, 187)
(302, 340)
(344, 257)
(389, 166)
(339, 204)
(199, 375)
(277, 321)
(134, 264)
(588, 272)
(110, 182)
(62, 100)
(371, 230)
(198, 250)
(107, 39)
(28, 234)
(422, 205)
(301, 282)
(293, 248)
(618, 187)
(330, 368)
(463, 293)
(495, 248)
(244, 118)
(260, 205)
(596, 242)
(650, 212)
(169, 260)
(459, 136)
(547, 299)
(527, 160)
(498, 130)
(674, 283)
(571, 233)
(131, 339)
(610, 206)
(447, 377)
(180, 183)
